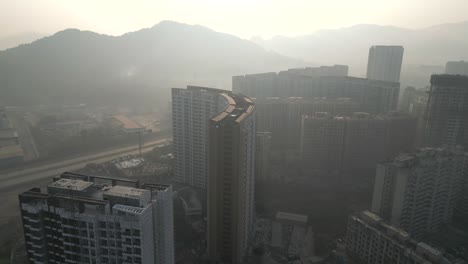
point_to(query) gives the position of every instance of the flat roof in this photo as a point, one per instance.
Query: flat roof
(8, 133)
(69, 184)
(291, 217)
(372, 216)
(128, 123)
(11, 151)
(125, 191)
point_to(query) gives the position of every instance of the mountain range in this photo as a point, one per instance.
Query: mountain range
(426, 50)
(18, 39)
(74, 66)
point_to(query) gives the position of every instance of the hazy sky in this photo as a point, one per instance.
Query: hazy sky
(243, 18)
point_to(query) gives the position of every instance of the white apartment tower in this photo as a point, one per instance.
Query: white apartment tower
(78, 220)
(384, 63)
(419, 192)
(192, 109)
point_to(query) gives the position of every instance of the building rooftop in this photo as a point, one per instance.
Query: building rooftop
(128, 123)
(129, 209)
(449, 80)
(11, 152)
(8, 133)
(69, 184)
(128, 163)
(239, 107)
(374, 222)
(125, 191)
(296, 218)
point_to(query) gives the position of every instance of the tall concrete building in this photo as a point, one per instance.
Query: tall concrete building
(262, 156)
(446, 118)
(192, 109)
(286, 134)
(369, 239)
(355, 142)
(461, 211)
(335, 70)
(231, 180)
(87, 219)
(419, 192)
(384, 63)
(373, 96)
(457, 67)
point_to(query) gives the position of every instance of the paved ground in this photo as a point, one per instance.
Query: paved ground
(22, 177)
(25, 137)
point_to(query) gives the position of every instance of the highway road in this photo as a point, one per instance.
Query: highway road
(16, 178)
(25, 137)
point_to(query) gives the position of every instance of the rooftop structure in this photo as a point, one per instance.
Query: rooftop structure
(128, 125)
(72, 185)
(371, 240)
(335, 70)
(88, 219)
(292, 218)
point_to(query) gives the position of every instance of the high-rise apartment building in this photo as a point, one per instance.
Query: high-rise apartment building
(231, 180)
(370, 240)
(262, 156)
(335, 70)
(446, 118)
(192, 109)
(419, 192)
(461, 211)
(286, 134)
(354, 142)
(457, 67)
(384, 63)
(87, 219)
(373, 96)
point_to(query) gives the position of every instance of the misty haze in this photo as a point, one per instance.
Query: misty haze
(162, 132)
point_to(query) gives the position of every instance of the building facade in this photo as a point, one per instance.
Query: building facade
(231, 180)
(446, 118)
(262, 156)
(419, 192)
(384, 63)
(373, 96)
(461, 211)
(286, 134)
(356, 142)
(457, 67)
(192, 109)
(335, 70)
(369, 240)
(78, 220)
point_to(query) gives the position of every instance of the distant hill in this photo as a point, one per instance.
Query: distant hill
(74, 66)
(15, 40)
(431, 47)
